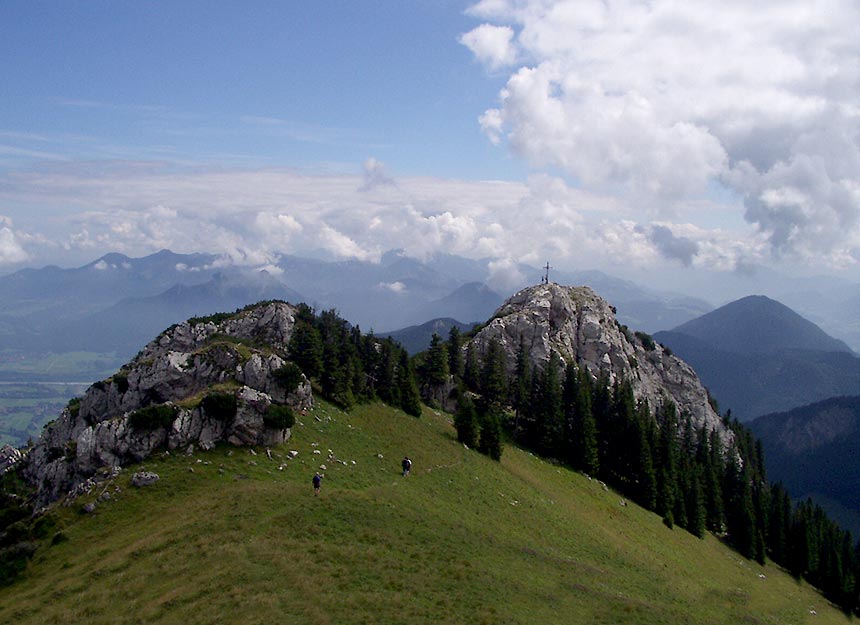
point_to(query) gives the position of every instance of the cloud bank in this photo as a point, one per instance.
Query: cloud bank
(658, 102)
(254, 216)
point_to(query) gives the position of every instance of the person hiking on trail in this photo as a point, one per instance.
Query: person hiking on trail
(407, 465)
(317, 481)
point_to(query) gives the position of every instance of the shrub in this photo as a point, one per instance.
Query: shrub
(647, 342)
(221, 406)
(74, 406)
(152, 417)
(289, 376)
(121, 381)
(279, 417)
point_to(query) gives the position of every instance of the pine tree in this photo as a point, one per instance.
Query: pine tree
(667, 455)
(588, 455)
(456, 364)
(490, 442)
(551, 412)
(494, 384)
(410, 399)
(435, 369)
(472, 370)
(466, 421)
(305, 347)
(521, 387)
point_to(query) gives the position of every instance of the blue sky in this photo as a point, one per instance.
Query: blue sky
(316, 85)
(633, 137)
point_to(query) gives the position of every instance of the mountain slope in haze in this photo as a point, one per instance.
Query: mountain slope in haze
(813, 451)
(757, 356)
(758, 324)
(129, 324)
(227, 537)
(417, 338)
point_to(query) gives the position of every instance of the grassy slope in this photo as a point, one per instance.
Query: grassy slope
(461, 540)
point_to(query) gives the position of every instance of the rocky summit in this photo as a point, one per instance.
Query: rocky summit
(222, 378)
(579, 326)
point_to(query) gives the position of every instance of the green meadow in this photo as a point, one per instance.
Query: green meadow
(227, 536)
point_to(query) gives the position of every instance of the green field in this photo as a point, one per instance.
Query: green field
(227, 537)
(25, 408)
(18, 366)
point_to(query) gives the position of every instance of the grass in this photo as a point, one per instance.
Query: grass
(225, 536)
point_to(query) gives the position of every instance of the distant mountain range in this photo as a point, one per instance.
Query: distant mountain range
(758, 356)
(117, 303)
(813, 451)
(417, 338)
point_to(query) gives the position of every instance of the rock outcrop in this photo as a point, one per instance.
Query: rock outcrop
(159, 399)
(579, 326)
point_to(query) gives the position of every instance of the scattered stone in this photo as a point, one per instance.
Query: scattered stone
(105, 496)
(293, 453)
(229, 452)
(252, 452)
(144, 478)
(317, 451)
(379, 456)
(189, 451)
(199, 461)
(191, 469)
(323, 467)
(269, 454)
(89, 508)
(253, 463)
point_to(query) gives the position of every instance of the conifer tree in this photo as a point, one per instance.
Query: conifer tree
(551, 412)
(472, 370)
(667, 454)
(466, 421)
(494, 383)
(587, 452)
(490, 442)
(522, 386)
(456, 364)
(435, 369)
(410, 399)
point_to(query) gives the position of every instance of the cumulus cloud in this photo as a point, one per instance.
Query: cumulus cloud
(655, 101)
(672, 246)
(375, 175)
(492, 45)
(253, 217)
(11, 251)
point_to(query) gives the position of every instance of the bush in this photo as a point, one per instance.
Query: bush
(221, 406)
(289, 376)
(647, 342)
(121, 381)
(74, 406)
(279, 417)
(152, 417)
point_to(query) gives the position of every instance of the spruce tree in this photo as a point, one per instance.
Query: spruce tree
(466, 421)
(435, 369)
(494, 384)
(490, 442)
(410, 399)
(456, 364)
(521, 386)
(472, 370)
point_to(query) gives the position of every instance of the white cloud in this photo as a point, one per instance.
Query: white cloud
(492, 45)
(655, 101)
(395, 287)
(252, 217)
(11, 251)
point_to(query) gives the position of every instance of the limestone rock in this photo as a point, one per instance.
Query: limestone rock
(579, 326)
(144, 478)
(240, 355)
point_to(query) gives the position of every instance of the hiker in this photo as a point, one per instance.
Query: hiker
(317, 481)
(407, 465)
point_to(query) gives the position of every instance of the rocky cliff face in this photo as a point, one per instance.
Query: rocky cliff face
(579, 326)
(241, 358)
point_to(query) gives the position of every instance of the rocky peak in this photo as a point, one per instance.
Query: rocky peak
(579, 326)
(239, 357)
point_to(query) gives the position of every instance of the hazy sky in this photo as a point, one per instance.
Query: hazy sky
(606, 134)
